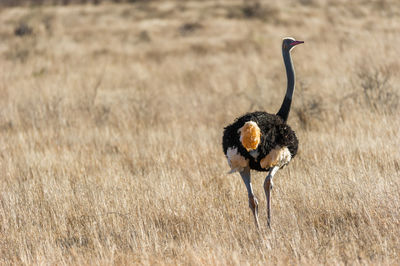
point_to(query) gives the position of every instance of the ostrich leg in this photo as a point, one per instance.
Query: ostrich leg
(267, 188)
(253, 203)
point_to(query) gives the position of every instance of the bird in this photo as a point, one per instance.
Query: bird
(262, 141)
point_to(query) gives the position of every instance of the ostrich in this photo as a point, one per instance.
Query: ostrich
(263, 141)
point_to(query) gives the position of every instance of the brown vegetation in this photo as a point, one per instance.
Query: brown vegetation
(111, 121)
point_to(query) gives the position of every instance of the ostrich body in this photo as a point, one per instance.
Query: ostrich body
(263, 141)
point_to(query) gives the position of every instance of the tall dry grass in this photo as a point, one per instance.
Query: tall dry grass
(111, 120)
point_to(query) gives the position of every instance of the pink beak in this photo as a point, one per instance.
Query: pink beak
(296, 43)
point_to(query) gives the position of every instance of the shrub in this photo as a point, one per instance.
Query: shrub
(23, 29)
(372, 89)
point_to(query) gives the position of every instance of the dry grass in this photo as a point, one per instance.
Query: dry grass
(111, 120)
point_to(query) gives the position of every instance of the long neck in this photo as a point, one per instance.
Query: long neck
(285, 107)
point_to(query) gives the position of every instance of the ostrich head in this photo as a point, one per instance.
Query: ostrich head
(289, 42)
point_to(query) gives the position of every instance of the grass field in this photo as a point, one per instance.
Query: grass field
(111, 120)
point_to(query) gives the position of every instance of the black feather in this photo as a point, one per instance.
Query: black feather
(274, 131)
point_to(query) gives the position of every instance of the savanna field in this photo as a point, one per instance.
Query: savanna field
(111, 121)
